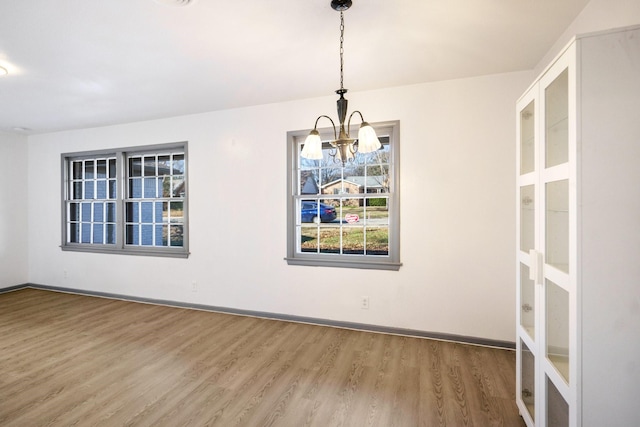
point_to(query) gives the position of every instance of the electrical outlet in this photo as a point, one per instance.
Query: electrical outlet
(65, 274)
(364, 303)
(194, 286)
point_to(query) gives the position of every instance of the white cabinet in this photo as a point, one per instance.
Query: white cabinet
(578, 246)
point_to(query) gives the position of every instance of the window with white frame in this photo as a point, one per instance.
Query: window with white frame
(130, 200)
(344, 215)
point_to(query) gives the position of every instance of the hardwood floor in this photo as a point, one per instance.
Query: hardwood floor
(75, 360)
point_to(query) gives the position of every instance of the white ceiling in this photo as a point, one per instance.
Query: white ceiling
(85, 63)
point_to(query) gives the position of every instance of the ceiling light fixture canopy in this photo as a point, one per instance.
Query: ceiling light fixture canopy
(3, 71)
(344, 147)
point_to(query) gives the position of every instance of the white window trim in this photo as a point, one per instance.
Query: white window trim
(120, 247)
(376, 262)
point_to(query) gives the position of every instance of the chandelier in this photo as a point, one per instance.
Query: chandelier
(343, 147)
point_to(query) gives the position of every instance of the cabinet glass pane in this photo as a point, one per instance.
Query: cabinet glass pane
(527, 217)
(527, 301)
(557, 407)
(527, 379)
(527, 139)
(557, 224)
(557, 121)
(557, 321)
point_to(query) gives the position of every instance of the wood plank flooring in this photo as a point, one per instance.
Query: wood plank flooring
(71, 360)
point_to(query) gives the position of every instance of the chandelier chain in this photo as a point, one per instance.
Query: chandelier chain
(341, 50)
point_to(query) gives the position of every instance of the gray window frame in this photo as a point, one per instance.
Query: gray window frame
(376, 262)
(122, 174)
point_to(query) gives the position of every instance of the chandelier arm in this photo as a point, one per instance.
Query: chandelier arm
(351, 115)
(335, 133)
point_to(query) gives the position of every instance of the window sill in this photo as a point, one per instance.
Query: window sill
(178, 253)
(342, 263)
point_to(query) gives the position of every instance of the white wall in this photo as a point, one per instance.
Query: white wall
(457, 212)
(597, 15)
(13, 210)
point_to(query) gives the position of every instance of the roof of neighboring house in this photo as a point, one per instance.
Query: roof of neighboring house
(310, 186)
(376, 181)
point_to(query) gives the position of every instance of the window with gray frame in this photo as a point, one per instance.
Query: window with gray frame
(130, 200)
(344, 216)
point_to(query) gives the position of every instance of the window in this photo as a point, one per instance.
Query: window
(126, 201)
(344, 216)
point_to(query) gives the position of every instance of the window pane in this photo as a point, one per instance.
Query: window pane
(164, 186)
(177, 189)
(329, 175)
(164, 165)
(135, 188)
(77, 190)
(149, 188)
(101, 168)
(330, 239)
(133, 212)
(77, 170)
(160, 208)
(309, 182)
(74, 211)
(86, 233)
(88, 189)
(132, 237)
(164, 234)
(353, 240)
(150, 166)
(98, 236)
(177, 238)
(112, 189)
(177, 211)
(377, 240)
(135, 166)
(110, 238)
(98, 212)
(88, 169)
(112, 168)
(308, 239)
(308, 163)
(158, 238)
(74, 233)
(376, 212)
(378, 179)
(111, 212)
(379, 156)
(86, 212)
(147, 234)
(101, 189)
(178, 164)
(147, 212)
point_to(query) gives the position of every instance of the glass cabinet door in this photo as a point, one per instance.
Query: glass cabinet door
(557, 121)
(557, 322)
(557, 224)
(557, 407)
(527, 139)
(527, 302)
(527, 378)
(527, 218)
